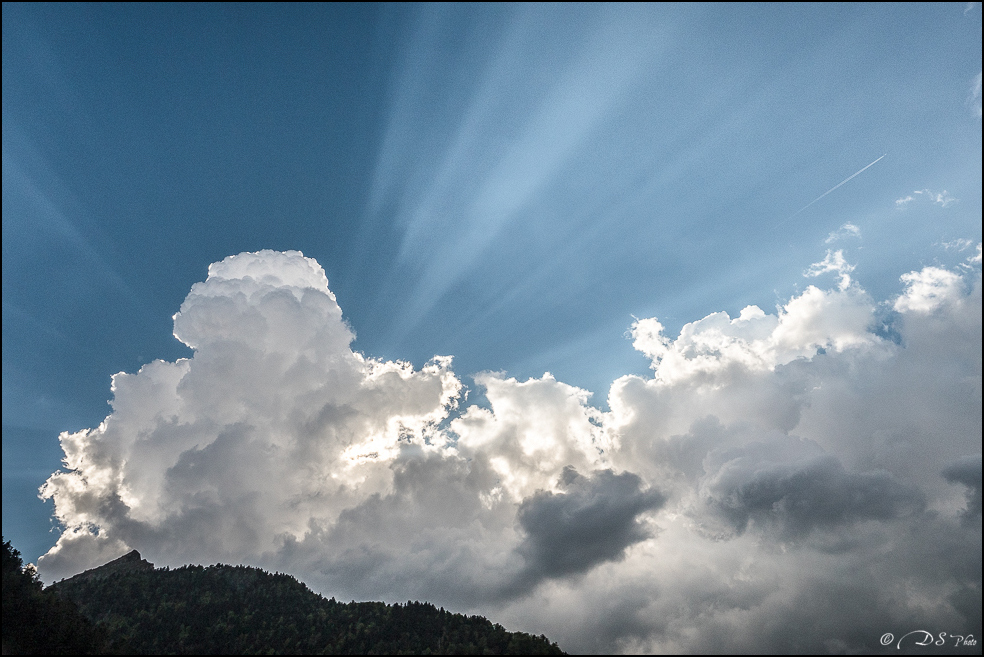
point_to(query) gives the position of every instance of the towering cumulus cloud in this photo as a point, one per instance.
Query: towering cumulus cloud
(271, 430)
(803, 481)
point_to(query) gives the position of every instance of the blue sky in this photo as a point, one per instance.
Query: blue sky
(510, 185)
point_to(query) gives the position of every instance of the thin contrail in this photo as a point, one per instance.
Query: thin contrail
(833, 188)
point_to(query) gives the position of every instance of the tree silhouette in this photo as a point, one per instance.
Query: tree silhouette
(36, 621)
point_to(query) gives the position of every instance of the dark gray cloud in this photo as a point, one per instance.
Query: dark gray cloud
(594, 520)
(795, 498)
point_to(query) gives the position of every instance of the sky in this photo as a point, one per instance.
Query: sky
(651, 328)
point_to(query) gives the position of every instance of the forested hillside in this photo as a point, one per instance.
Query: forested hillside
(238, 609)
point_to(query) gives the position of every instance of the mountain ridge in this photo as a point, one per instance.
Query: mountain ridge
(240, 609)
(129, 562)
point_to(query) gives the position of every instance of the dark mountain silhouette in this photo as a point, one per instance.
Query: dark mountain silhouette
(128, 563)
(133, 607)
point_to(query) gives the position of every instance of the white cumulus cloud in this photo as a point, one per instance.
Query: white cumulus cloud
(833, 262)
(943, 199)
(929, 289)
(273, 425)
(846, 231)
(797, 481)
